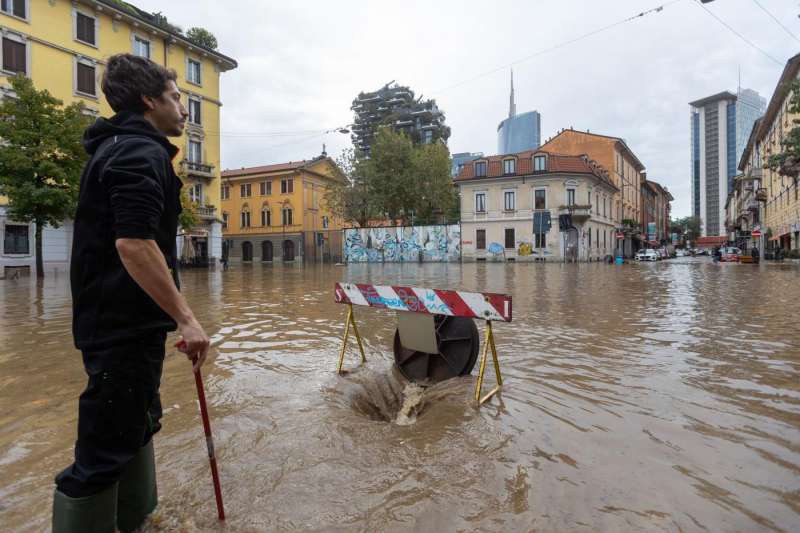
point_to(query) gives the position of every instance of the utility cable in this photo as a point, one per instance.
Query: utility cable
(657, 9)
(778, 22)
(739, 35)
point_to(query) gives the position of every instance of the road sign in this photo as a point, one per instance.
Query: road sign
(756, 233)
(620, 236)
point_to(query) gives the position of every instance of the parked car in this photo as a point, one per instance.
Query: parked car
(730, 254)
(647, 254)
(680, 253)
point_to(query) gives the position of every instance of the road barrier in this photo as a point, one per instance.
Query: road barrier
(432, 340)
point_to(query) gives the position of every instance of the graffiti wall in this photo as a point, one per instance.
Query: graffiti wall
(400, 244)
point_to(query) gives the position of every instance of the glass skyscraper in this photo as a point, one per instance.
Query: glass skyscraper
(521, 132)
(720, 127)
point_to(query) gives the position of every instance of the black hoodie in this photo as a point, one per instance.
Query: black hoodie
(128, 190)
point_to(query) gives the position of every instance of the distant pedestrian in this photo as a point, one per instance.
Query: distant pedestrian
(754, 253)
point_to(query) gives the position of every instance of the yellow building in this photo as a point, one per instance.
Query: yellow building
(63, 47)
(280, 211)
(782, 195)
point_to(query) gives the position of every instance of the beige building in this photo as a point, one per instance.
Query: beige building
(625, 171)
(503, 195)
(781, 193)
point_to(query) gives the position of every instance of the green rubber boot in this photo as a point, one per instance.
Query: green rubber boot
(137, 496)
(92, 514)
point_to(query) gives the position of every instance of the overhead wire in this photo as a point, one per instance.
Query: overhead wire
(739, 35)
(778, 22)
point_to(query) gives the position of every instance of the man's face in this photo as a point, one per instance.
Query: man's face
(167, 112)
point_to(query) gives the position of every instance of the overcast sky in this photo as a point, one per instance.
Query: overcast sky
(302, 63)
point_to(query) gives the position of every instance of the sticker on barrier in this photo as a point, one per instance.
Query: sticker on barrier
(436, 336)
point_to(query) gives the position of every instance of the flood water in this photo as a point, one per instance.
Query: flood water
(653, 397)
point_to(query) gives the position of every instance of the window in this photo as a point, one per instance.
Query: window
(287, 186)
(570, 196)
(245, 190)
(508, 200)
(539, 163)
(480, 168)
(196, 193)
(480, 202)
(15, 56)
(596, 205)
(540, 240)
(597, 238)
(16, 239)
(195, 152)
(141, 47)
(589, 198)
(509, 166)
(245, 219)
(427, 136)
(195, 111)
(224, 220)
(85, 82)
(286, 217)
(85, 28)
(590, 237)
(510, 240)
(193, 71)
(266, 217)
(540, 199)
(225, 193)
(480, 239)
(15, 7)
(605, 213)
(266, 188)
(325, 222)
(605, 244)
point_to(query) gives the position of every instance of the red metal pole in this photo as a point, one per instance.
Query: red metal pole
(198, 379)
(201, 396)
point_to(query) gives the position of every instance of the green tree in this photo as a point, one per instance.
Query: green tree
(787, 161)
(41, 157)
(352, 201)
(188, 217)
(431, 175)
(202, 37)
(691, 226)
(390, 172)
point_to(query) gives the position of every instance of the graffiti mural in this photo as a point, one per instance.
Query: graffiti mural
(403, 244)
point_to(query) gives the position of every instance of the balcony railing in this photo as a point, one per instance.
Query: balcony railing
(579, 212)
(195, 168)
(234, 228)
(206, 212)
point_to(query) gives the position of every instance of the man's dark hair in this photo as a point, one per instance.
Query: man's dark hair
(128, 77)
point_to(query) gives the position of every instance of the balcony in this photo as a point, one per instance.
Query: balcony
(202, 170)
(580, 213)
(755, 173)
(761, 195)
(208, 212)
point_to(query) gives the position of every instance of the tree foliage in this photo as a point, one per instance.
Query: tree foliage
(202, 37)
(399, 181)
(41, 157)
(690, 225)
(188, 217)
(787, 161)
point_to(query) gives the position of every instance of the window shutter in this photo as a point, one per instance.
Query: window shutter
(14, 56)
(86, 79)
(19, 8)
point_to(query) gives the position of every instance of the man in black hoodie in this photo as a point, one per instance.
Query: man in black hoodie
(125, 297)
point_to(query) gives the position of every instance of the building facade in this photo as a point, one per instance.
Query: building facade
(625, 170)
(518, 133)
(63, 47)
(720, 125)
(278, 212)
(512, 207)
(781, 189)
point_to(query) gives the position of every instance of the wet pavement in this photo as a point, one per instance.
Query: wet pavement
(652, 397)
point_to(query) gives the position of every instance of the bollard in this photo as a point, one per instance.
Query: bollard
(489, 307)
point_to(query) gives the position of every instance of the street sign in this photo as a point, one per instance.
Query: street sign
(541, 222)
(620, 236)
(756, 233)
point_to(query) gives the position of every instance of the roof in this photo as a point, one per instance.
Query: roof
(618, 140)
(555, 164)
(781, 90)
(129, 10)
(711, 241)
(304, 164)
(724, 95)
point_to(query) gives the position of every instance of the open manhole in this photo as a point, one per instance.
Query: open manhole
(457, 345)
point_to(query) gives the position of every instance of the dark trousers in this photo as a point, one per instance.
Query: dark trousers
(118, 413)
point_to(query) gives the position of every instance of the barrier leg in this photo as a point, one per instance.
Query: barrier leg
(350, 321)
(488, 342)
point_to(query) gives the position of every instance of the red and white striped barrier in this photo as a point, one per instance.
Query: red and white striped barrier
(480, 305)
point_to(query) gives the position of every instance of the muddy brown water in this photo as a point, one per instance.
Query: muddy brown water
(654, 397)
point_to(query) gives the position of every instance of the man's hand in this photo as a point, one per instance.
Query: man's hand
(194, 343)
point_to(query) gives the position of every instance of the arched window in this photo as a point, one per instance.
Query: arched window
(245, 216)
(266, 216)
